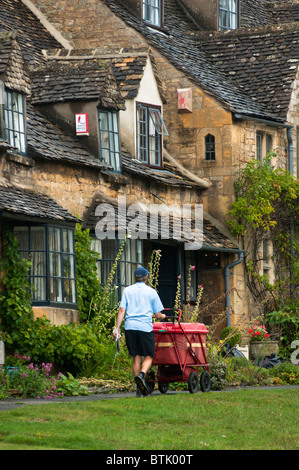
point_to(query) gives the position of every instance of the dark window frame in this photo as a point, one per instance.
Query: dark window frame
(152, 6)
(110, 150)
(150, 130)
(225, 11)
(49, 277)
(14, 120)
(126, 261)
(210, 148)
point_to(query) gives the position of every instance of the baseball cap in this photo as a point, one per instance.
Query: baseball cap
(141, 271)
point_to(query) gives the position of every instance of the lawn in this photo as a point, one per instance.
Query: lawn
(243, 420)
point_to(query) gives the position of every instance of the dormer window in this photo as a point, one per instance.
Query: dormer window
(14, 120)
(150, 129)
(152, 12)
(228, 14)
(109, 138)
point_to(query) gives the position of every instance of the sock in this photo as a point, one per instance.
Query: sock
(142, 374)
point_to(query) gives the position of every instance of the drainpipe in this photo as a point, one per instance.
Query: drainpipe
(290, 148)
(227, 273)
(291, 170)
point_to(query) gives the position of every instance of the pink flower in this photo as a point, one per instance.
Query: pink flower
(192, 268)
(179, 277)
(24, 375)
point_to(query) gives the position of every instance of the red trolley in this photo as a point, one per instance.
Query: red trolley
(180, 353)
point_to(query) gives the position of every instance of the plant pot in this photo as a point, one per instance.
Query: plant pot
(262, 348)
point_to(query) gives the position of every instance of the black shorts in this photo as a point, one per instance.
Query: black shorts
(140, 343)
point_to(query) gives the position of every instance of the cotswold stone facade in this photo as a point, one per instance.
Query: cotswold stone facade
(103, 56)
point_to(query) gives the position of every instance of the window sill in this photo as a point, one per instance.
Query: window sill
(115, 177)
(20, 159)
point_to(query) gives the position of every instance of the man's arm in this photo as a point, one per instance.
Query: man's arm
(120, 317)
(160, 316)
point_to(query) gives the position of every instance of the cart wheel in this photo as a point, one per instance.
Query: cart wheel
(193, 382)
(163, 387)
(150, 385)
(205, 381)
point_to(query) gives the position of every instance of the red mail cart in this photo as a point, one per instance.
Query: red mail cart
(180, 353)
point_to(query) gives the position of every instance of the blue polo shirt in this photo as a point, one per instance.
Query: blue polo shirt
(140, 302)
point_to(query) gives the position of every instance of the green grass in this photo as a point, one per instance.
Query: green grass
(251, 419)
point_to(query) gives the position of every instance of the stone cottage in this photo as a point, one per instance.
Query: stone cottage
(195, 88)
(53, 174)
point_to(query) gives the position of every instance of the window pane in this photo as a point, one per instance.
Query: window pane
(14, 120)
(157, 121)
(22, 235)
(39, 288)
(152, 12)
(38, 266)
(38, 239)
(150, 127)
(109, 139)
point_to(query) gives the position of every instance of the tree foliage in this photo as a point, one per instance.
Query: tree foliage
(266, 208)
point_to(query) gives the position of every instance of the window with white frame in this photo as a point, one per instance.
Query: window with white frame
(152, 12)
(228, 14)
(150, 129)
(14, 120)
(109, 138)
(51, 251)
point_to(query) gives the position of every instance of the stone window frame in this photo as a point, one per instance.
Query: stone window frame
(264, 144)
(210, 148)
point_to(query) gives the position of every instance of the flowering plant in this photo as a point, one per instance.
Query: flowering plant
(35, 380)
(258, 332)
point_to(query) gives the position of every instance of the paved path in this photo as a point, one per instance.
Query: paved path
(13, 403)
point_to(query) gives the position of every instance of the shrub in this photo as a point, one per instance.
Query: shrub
(231, 335)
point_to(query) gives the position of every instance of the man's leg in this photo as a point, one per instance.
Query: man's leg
(140, 378)
(136, 365)
(147, 364)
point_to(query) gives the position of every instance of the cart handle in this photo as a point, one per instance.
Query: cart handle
(175, 318)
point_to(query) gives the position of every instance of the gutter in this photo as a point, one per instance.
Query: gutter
(227, 273)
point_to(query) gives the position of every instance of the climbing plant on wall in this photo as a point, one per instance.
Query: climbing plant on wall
(266, 208)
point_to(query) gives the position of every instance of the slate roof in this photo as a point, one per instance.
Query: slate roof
(286, 11)
(256, 13)
(88, 74)
(13, 70)
(32, 35)
(75, 79)
(180, 45)
(263, 62)
(168, 175)
(213, 237)
(47, 141)
(28, 203)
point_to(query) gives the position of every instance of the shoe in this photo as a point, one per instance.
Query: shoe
(139, 379)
